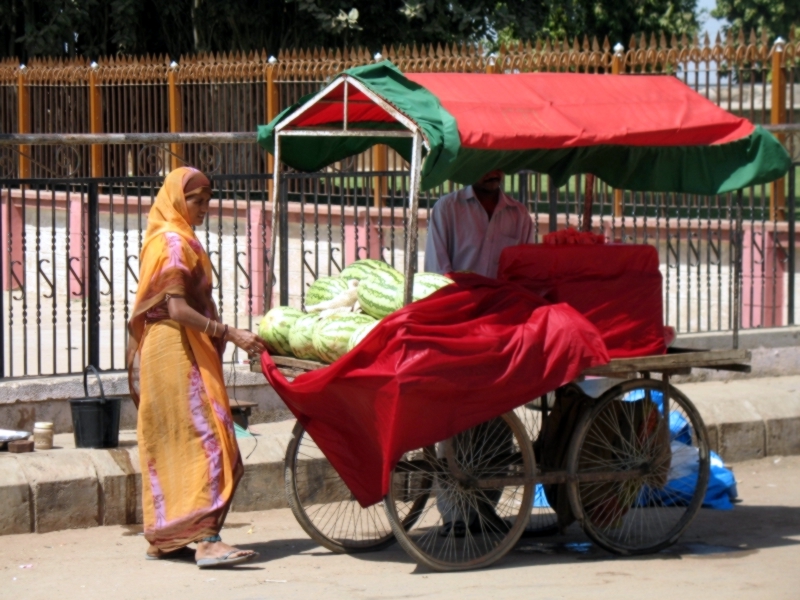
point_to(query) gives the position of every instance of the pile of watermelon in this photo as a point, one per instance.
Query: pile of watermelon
(341, 311)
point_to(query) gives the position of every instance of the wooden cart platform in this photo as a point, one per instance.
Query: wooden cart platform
(677, 361)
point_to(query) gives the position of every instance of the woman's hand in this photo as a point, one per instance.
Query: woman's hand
(247, 340)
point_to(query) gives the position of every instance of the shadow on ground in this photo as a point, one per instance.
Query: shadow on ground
(713, 535)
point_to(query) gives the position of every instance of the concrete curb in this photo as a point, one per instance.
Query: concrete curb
(72, 488)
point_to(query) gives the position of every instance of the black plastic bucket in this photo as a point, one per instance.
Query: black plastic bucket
(95, 420)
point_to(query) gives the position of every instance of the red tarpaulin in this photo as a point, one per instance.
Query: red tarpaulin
(616, 287)
(554, 110)
(468, 353)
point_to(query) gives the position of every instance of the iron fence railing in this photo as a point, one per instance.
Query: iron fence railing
(70, 249)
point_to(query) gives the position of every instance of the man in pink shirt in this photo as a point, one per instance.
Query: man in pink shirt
(469, 228)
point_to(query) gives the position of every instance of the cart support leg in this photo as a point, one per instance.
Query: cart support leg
(665, 395)
(276, 178)
(411, 244)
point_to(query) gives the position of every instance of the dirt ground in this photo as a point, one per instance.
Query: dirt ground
(750, 552)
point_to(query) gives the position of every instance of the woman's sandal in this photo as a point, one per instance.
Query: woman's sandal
(225, 560)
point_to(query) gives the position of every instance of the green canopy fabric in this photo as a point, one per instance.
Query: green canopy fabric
(642, 133)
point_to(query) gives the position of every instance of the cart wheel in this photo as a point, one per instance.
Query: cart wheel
(482, 493)
(325, 507)
(667, 461)
(543, 520)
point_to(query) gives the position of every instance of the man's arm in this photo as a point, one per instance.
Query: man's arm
(436, 256)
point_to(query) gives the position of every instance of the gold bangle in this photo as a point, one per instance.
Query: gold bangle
(208, 322)
(215, 330)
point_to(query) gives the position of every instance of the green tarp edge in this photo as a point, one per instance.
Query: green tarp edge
(717, 169)
(708, 170)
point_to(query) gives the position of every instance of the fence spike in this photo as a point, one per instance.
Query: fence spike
(753, 39)
(662, 41)
(706, 40)
(586, 46)
(718, 40)
(652, 45)
(642, 41)
(595, 44)
(632, 42)
(338, 55)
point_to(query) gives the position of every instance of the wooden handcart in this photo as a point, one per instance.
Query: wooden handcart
(635, 469)
(615, 473)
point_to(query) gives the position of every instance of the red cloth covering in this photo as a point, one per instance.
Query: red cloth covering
(616, 287)
(469, 352)
(573, 237)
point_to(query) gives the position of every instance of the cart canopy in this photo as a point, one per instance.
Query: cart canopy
(644, 133)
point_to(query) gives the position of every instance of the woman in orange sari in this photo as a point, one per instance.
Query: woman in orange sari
(189, 457)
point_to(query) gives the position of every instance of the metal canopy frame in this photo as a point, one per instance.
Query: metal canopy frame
(412, 130)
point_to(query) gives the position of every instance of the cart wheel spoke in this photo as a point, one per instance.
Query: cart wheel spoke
(464, 525)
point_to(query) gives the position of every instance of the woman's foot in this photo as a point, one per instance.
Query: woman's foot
(218, 554)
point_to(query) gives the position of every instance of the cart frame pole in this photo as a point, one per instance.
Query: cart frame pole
(411, 242)
(276, 184)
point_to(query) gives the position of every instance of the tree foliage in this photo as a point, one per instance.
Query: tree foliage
(93, 28)
(773, 16)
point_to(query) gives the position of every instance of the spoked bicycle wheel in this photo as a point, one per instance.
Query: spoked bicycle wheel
(481, 497)
(638, 478)
(325, 507)
(543, 519)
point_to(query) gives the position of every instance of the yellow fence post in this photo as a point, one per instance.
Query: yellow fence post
(23, 122)
(175, 124)
(380, 162)
(618, 68)
(95, 120)
(777, 204)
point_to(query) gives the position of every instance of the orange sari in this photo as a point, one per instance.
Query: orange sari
(187, 447)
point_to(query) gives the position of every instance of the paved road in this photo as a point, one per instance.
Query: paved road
(750, 552)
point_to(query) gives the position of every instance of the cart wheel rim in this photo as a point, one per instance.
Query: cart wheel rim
(668, 459)
(466, 524)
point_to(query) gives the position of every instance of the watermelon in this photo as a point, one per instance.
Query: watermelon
(300, 337)
(381, 293)
(332, 334)
(275, 326)
(325, 289)
(360, 333)
(361, 269)
(427, 283)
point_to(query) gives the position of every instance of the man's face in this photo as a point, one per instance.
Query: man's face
(490, 182)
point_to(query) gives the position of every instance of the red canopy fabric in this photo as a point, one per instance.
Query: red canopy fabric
(470, 352)
(564, 110)
(618, 288)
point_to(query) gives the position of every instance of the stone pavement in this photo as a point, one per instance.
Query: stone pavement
(68, 488)
(748, 553)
